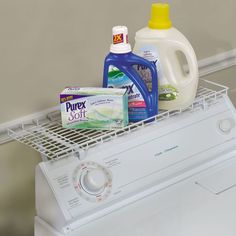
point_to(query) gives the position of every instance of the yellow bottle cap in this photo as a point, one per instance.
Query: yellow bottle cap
(160, 16)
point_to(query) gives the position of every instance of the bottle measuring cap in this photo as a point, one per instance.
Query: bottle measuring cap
(120, 42)
(160, 16)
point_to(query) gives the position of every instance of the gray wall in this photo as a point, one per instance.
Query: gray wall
(46, 45)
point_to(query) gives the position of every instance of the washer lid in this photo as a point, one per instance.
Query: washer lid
(220, 178)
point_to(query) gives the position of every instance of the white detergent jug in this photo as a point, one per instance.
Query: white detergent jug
(161, 43)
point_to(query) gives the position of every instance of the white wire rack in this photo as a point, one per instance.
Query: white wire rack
(49, 138)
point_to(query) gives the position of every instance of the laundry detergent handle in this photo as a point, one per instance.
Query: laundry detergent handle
(125, 63)
(184, 78)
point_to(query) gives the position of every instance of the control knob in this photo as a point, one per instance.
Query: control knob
(94, 181)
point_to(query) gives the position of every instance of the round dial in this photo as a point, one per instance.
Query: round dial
(92, 181)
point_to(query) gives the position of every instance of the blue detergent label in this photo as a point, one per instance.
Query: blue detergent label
(136, 103)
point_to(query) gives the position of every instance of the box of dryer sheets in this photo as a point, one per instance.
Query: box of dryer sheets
(94, 108)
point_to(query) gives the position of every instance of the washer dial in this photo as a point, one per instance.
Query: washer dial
(92, 181)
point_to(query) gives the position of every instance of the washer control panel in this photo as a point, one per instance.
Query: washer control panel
(126, 169)
(92, 181)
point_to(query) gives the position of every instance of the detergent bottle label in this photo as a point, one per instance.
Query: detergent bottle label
(167, 92)
(136, 103)
(151, 55)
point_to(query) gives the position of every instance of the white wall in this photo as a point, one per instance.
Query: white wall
(46, 45)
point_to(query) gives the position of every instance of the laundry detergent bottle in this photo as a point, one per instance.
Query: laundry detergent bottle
(164, 45)
(120, 72)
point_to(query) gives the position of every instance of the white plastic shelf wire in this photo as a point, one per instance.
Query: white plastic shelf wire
(49, 138)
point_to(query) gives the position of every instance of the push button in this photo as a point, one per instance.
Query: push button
(226, 125)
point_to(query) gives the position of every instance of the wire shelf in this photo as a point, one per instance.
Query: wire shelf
(48, 137)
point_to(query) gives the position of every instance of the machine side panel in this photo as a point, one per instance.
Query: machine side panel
(46, 205)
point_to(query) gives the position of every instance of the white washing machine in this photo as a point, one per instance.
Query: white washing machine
(174, 175)
(203, 204)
